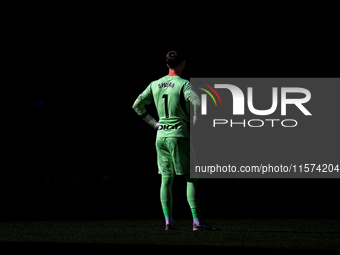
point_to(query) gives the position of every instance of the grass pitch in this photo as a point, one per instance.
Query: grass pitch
(264, 235)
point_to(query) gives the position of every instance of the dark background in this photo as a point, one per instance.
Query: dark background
(73, 148)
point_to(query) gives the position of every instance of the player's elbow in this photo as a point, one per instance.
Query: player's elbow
(135, 105)
(135, 108)
(140, 110)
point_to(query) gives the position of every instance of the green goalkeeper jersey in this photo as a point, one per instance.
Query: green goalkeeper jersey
(172, 96)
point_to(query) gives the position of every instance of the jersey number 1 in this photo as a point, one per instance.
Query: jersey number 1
(165, 96)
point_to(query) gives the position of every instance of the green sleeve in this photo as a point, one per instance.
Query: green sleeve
(191, 95)
(143, 99)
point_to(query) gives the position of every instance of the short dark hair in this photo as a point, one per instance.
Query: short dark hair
(174, 58)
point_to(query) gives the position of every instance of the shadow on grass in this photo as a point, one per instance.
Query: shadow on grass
(98, 247)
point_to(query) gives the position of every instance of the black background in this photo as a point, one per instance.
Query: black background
(74, 148)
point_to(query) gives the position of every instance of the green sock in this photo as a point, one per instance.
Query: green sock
(166, 195)
(167, 211)
(194, 213)
(193, 197)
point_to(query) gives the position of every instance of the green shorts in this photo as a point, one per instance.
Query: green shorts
(173, 155)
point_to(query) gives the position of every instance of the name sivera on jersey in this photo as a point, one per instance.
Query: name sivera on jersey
(166, 85)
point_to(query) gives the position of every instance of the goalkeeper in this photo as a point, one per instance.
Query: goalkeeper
(172, 96)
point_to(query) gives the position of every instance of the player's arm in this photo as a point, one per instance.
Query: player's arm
(194, 99)
(139, 107)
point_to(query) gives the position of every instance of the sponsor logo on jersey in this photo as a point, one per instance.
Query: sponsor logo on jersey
(166, 127)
